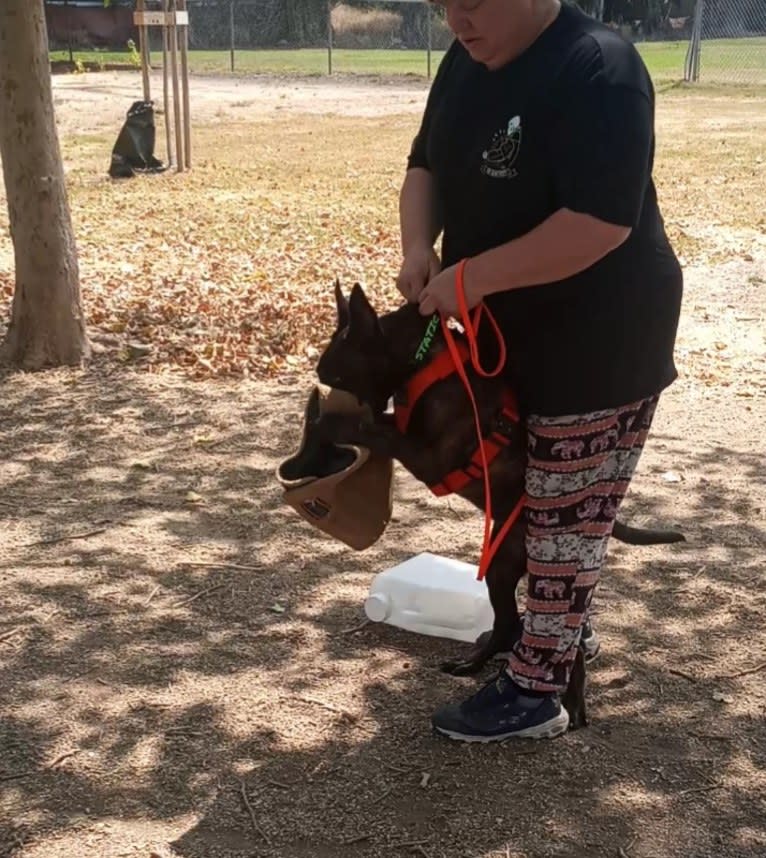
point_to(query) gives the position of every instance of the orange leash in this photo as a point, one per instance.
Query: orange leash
(471, 326)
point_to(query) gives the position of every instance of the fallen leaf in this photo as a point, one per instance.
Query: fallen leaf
(672, 477)
(138, 350)
(722, 698)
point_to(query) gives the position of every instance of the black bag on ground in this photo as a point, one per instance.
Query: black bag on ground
(134, 150)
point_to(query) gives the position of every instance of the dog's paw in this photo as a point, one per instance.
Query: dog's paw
(577, 719)
(483, 639)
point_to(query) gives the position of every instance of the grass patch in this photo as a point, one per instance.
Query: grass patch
(734, 60)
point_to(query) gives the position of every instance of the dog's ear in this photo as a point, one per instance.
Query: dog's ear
(341, 302)
(363, 320)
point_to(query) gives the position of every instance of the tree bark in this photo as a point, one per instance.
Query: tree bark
(47, 326)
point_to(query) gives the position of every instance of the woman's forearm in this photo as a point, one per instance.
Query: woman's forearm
(419, 222)
(561, 246)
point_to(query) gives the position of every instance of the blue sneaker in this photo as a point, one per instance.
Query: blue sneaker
(501, 710)
(589, 642)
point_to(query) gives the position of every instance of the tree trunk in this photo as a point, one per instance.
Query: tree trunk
(47, 326)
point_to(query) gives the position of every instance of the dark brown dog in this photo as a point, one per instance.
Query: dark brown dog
(373, 357)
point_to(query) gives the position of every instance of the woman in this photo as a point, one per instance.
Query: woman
(534, 157)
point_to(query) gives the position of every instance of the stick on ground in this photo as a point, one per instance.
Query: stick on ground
(328, 706)
(152, 595)
(747, 672)
(198, 595)
(222, 565)
(354, 628)
(708, 788)
(682, 674)
(56, 539)
(61, 757)
(256, 825)
(5, 635)
(358, 839)
(18, 775)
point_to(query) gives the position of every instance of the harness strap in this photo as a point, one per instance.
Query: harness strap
(493, 445)
(490, 546)
(441, 367)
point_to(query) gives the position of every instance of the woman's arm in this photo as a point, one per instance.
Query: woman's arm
(418, 218)
(561, 246)
(420, 225)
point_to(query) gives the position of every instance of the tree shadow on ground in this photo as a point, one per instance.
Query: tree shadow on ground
(239, 707)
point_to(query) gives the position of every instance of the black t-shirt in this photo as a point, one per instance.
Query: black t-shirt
(568, 124)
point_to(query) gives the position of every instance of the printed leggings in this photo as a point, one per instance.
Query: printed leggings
(578, 471)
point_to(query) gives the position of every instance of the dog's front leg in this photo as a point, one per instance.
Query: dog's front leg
(504, 573)
(573, 699)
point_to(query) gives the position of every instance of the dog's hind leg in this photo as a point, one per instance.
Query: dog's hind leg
(573, 699)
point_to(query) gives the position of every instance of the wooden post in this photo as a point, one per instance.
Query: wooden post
(692, 63)
(143, 40)
(166, 93)
(174, 14)
(329, 36)
(430, 14)
(69, 32)
(185, 85)
(180, 160)
(698, 52)
(231, 31)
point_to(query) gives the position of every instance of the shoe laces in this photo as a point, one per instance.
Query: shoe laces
(491, 689)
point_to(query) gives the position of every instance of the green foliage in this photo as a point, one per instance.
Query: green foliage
(135, 57)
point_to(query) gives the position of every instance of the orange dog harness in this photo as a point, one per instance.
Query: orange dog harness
(440, 367)
(447, 362)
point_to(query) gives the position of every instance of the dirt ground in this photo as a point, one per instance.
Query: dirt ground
(184, 668)
(93, 102)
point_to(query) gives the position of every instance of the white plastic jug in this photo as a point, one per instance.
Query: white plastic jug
(432, 595)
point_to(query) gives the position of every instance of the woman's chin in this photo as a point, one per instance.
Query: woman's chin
(480, 52)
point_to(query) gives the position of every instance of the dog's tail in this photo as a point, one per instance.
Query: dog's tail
(641, 536)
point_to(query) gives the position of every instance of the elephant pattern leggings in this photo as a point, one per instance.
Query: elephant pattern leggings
(578, 471)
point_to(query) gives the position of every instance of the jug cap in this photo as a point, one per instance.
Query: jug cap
(377, 607)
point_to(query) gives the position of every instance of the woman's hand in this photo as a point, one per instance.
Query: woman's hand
(440, 295)
(420, 264)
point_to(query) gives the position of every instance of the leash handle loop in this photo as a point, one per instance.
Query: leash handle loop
(472, 325)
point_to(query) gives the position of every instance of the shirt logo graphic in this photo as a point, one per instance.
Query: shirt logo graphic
(499, 158)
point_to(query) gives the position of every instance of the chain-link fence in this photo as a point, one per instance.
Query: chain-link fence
(726, 39)
(728, 43)
(271, 36)
(315, 36)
